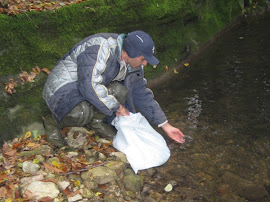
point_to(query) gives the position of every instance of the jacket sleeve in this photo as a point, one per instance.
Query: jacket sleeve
(91, 64)
(144, 101)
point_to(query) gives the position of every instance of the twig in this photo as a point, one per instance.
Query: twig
(31, 20)
(84, 169)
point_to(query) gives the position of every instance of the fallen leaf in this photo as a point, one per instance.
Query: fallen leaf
(57, 165)
(10, 153)
(3, 192)
(52, 169)
(9, 87)
(17, 145)
(27, 134)
(31, 144)
(12, 159)
(166, 68)
(31, 77)
(66, 191)
(175, 71)
(186, 64)
(77, 183)
(46, 70)
(36, 70)
(73, 193)
(46, 199)
(28, 195)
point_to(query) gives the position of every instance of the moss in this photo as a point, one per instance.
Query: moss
(41, 38)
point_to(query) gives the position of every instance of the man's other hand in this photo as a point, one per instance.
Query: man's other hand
(173, 133)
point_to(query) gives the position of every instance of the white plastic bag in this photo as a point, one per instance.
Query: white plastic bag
(144, 147)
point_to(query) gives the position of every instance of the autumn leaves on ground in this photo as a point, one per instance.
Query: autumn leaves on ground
(35, 149)
(13, 7)
(24, 77)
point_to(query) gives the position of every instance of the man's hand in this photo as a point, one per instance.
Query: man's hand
(173, 133)
(122, 111)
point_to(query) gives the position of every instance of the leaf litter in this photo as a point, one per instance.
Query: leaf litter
(72, 162)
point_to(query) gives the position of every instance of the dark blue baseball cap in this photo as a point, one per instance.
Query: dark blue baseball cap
(139, 43)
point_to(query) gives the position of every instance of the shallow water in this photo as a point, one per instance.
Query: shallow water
(221, 102)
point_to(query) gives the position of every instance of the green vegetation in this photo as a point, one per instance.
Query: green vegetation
(41, 38)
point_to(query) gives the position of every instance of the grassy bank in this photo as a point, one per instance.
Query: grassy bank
(41, 38)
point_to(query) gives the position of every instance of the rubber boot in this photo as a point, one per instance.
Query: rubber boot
(119, 91)
(79, 116)
(53, 134)
(98, 124)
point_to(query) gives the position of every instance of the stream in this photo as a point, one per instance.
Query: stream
(221, 102)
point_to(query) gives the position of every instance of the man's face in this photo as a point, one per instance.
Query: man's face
(135, 63)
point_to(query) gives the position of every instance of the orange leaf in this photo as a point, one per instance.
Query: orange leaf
(102, 186)
(66, 191)
(96, 148)
(10, 153)
(52, 169)
(3, 176)
(46, 70)
(3, 192)
(73, 193)
(28, 194)
(17, 145)
(46, 199)
(36, 70)
(166, 68)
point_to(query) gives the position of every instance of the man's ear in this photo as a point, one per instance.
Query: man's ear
(124, 55)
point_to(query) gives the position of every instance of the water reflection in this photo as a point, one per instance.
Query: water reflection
(194, 109)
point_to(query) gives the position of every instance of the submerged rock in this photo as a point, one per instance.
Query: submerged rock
(245, 188)
(102, 174)
(133, 182)
(120, 156)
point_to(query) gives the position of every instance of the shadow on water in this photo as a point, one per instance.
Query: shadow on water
(222, 104)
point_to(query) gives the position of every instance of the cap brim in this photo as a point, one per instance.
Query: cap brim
(151, 60)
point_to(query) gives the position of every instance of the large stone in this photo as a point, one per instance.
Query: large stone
(77, 137)
(29, 167)
(133, 182)
(88, 193)
(42, 189)
(245, 188)
(118, 166)
(77, 197)
(90, 184)
(53, 159)
(85, 175)
(27, 180)
(42, 150)
(102, 174)
(63, 184)
(119, 156)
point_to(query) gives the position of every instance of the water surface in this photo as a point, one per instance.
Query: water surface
(221, 102)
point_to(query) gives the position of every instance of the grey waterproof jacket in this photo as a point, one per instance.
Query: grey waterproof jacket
(83, 74)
